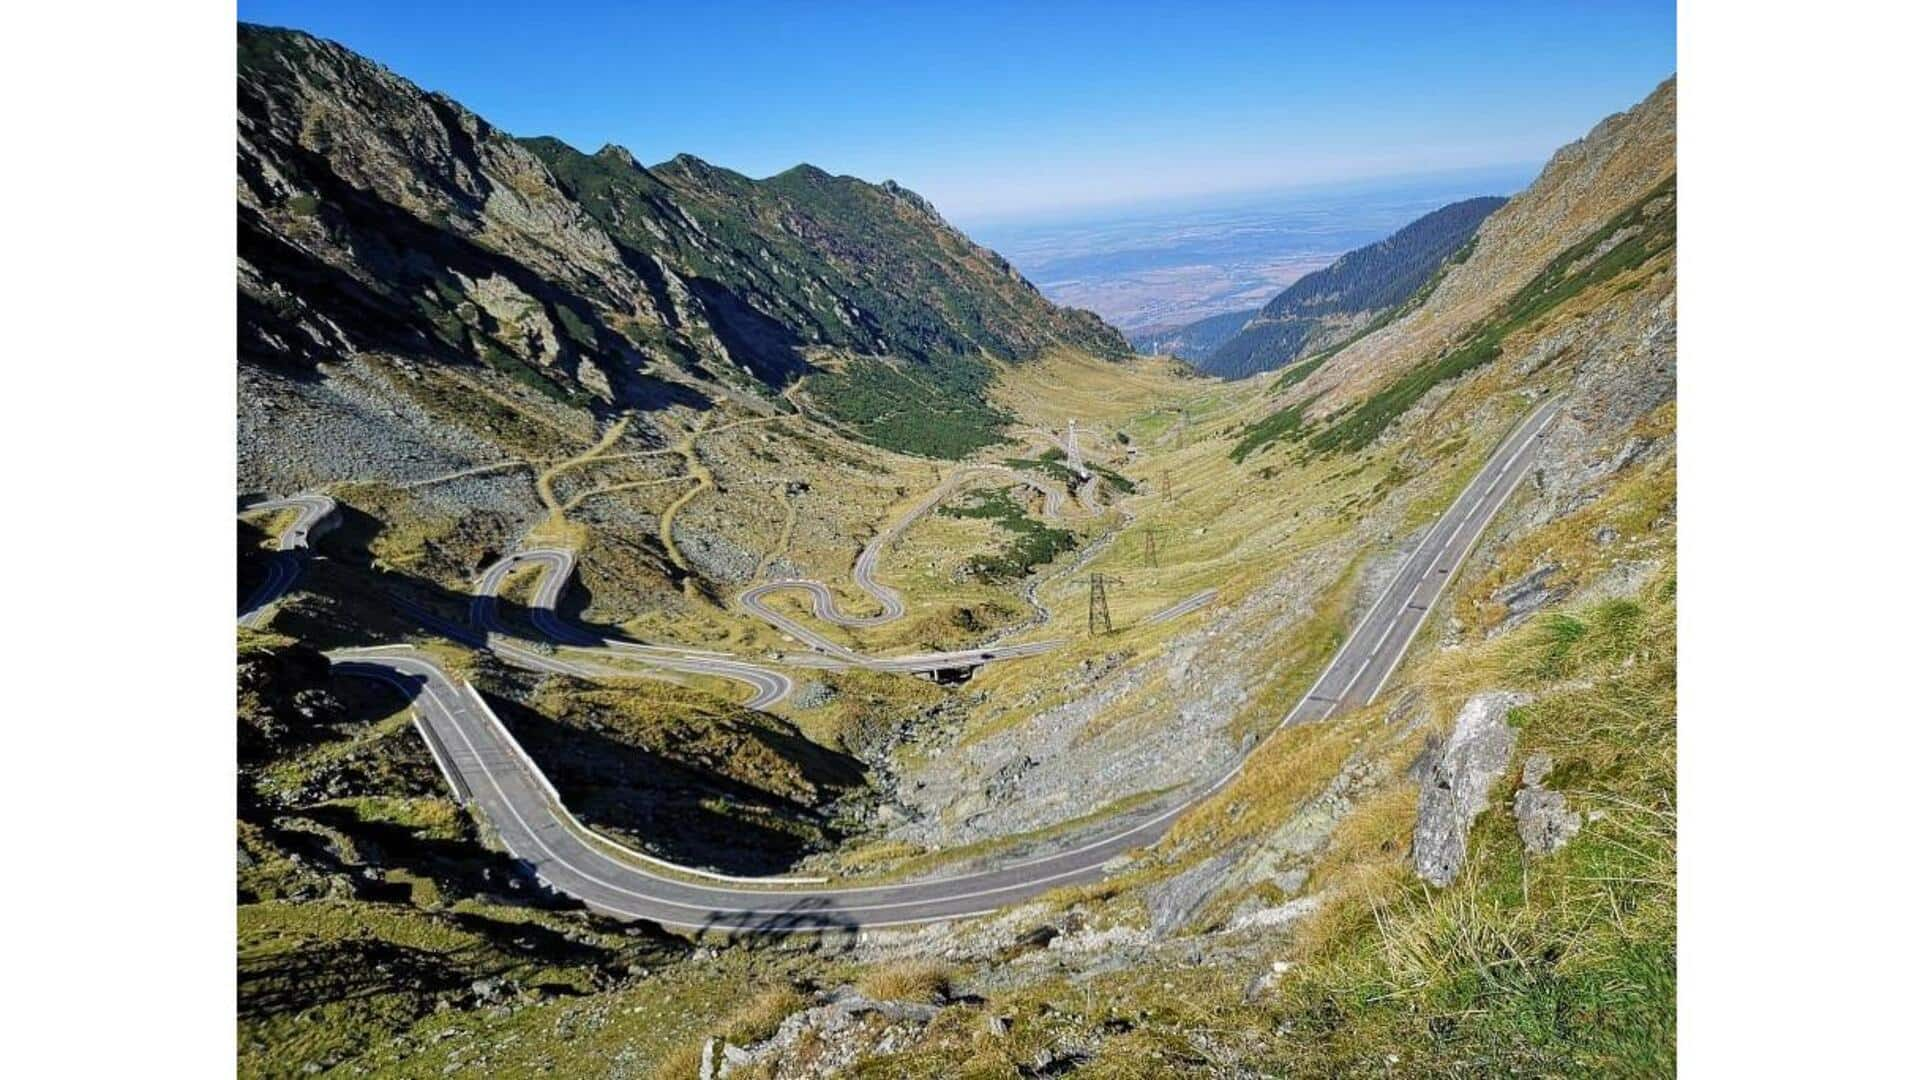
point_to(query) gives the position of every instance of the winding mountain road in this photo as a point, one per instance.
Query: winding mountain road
(755, 600)
(485, 765)
(892, 606)
(556, 565)
(317, 514)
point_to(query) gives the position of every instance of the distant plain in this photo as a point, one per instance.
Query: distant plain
(1157, 266)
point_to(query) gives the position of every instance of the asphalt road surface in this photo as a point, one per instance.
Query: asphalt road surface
(557, 565)
(1359, 670)
(482, 760)
(485, 765)
(1192, 603)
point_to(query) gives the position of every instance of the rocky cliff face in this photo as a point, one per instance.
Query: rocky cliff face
(376, 218)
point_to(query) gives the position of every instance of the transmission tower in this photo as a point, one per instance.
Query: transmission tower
(1098, 620)
(1153, 553)
(1073, 451)
(1166, 486)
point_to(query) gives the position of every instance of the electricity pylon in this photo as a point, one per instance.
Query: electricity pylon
(1073, 451)
(1098, 620)
(1153, 553)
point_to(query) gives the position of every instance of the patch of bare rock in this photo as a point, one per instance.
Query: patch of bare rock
(1455, 777)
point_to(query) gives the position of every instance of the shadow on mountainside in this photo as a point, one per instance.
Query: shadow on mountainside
(347, 598)
(252, 560)
(679, 803)
(414, 303)
(684, 814)
(768, 348)
(775, 923)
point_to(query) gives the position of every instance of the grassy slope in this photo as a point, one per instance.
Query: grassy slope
(1526, 966)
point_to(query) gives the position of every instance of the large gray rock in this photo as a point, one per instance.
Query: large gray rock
(1178, 899)
(1544, 820)
(1454, 781)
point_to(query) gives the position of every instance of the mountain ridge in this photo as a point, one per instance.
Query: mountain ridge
(377, 217)
(1330, 305)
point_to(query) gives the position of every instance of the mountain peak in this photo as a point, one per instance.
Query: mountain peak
(616, 152)
(599, 279)
(807, 172)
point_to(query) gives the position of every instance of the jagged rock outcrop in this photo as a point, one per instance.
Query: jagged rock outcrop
(1455, 777)
(824, 1039)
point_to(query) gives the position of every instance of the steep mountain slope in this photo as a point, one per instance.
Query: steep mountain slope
(1329, 306)
(379, 219)
(1576, 203)
(1195, 341)
(1335, 890)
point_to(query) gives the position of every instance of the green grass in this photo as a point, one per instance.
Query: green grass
(1053, 467)
(576, 327)
(1563, 962)
(1554, 965)
(1122, 483)
(524, 373)
(1032, 544)
(1288, 423)
(936, 409)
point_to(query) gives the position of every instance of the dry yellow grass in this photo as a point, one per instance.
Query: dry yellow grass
(761, 1016)
(680, 1063)
(923, 981)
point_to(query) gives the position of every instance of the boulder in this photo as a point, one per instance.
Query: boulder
(1454, 780)
(1545, 822)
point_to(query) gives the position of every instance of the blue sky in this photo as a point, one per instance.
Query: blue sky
(1031, 111)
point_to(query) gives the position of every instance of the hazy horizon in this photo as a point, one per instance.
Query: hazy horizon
(1171, 262)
